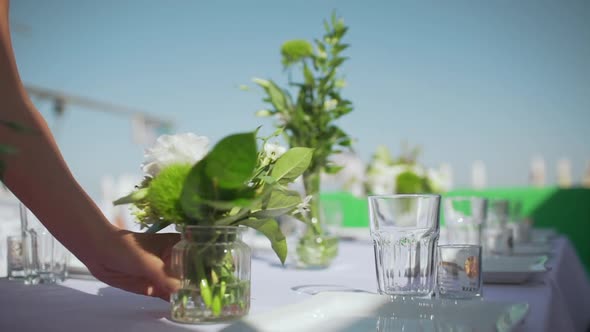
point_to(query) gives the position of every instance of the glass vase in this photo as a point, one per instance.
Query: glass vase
(213, 266)
(317, 247)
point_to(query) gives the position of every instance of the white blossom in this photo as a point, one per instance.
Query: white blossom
(303, 207)
(272, 152)
(330, 104)
(185, 148)
(350, 178)
(439, 181)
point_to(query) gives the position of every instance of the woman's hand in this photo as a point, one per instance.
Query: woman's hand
(135, 262)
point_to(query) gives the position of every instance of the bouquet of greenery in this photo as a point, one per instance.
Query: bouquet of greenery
(234, 184)
(403, 175)
(308, 119)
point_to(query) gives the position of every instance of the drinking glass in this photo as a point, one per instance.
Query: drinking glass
(498, 236)
(497, 213)
(521, 227)
(405, 230)
(459, 271)
(464, 217)
(45, 258)
(15, 269)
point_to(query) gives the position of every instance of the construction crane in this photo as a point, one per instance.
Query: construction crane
(61, 99)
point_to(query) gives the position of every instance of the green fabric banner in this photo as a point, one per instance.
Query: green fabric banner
(565, 210)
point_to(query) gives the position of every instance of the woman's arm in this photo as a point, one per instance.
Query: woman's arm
(38, 175)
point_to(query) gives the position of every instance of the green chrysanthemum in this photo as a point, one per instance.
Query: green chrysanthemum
(165, 191)
(409, 183)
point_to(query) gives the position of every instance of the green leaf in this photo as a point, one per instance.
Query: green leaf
(232, 161)
(206, 293)
(327, 27)
(243, 213)
(134, 197)
(268, 179)
(228, 205)
(338, 61)
(292, 164)
(308, 75)
(216, 304)
(295, 50)
(262, 82)
(277, 97)
(157, 226)
(197, 187)
(279, 203)
(270, 228)
(264, 113)
(332, 169)
(341, 47)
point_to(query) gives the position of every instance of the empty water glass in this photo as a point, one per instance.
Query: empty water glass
(405, 230)
(464, 218)
(498, 236)
(459, 271)
(45, 258)
(521, 227)
(497, 213)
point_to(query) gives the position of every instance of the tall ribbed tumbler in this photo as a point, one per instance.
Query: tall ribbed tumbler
(405, 230)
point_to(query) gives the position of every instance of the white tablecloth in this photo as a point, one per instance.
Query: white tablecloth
(559, 301)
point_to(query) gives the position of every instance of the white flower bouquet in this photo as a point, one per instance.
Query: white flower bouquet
(404, 175)
(235, 184)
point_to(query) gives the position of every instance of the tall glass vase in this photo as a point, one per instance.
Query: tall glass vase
(317, 247)
(213, 265)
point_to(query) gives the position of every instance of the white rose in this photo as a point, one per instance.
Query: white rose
(382, 179)
(174, 149)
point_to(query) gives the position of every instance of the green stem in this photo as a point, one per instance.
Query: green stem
(311, 183)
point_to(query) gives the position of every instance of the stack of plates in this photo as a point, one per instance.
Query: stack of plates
(512, 269)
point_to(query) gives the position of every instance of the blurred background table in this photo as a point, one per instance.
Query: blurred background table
(558, 301)
(565, 210)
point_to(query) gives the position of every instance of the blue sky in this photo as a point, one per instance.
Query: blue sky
(498, 81)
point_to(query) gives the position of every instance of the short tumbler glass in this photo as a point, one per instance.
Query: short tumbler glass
(15, 266)
(405, 230)
(459, 271)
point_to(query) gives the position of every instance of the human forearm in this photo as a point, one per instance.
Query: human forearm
(37, 173)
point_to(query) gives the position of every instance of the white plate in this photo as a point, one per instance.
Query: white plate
(532, 249)
(339, 311)
(512, 269)
(543, 235)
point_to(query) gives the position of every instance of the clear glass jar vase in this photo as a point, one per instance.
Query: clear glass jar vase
(213, 265)
(317, 247)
